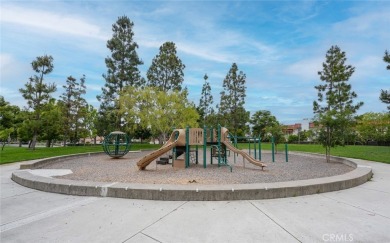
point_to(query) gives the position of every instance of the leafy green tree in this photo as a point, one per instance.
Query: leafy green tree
(158, 110)
(122, 71)
(302, 136)
(8, 120)
(38, 93)
(293, 138)
(205, 104)
(90, 123)
(275, 130)
(142, 133)
(232, 102)
(51, 115)
(5, 136)
(166, 70)
(260, 120)
(374, 127)
(24, 128)
(102, 125)
(334, 109)
(73, 108)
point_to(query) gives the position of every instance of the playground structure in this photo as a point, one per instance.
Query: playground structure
(181, 141)
(116, 144)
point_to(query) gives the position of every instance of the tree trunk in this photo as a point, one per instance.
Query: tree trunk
(33, 141)
(328, 145)
(328, 154)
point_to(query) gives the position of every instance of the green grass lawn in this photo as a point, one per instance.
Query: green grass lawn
(375, 153)
(13, 154)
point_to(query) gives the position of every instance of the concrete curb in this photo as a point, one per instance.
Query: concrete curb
(358, 176)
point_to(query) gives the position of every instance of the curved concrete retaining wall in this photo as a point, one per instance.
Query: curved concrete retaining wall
(358, 176)
(41, 163)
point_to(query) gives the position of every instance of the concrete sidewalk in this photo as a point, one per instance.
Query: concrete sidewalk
(360, 214)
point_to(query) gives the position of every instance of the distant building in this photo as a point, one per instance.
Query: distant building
(99, 140)
(292, 129)
(296, 128)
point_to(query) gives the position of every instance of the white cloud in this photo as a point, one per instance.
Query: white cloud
(12, 69)
(9, 92)
(50, 21)
(306, 69)
(369, 66)
(94, 87)
(280, 47)
(365, 25)
(294, 13)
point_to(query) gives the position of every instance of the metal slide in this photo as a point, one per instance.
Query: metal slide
(243, 154)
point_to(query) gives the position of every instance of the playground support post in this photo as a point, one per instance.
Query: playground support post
(286, 149)
(174, 148)
(259, 148)
(196, 155)
(254, 145)
(219, 145)
(211, 140)
(235, 145)
(273, 148)
(187, 157)
(204, 145)
(249, 145)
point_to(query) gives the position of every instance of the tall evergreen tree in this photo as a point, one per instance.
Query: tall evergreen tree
(385, 94)
(334, 109)
(232, 102)
(385, 97)
(38, 93)
(205, 103)
(386, 58)
(122, 70)
(166, 70)
(73, 107)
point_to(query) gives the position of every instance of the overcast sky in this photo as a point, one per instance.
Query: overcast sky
(279, 45)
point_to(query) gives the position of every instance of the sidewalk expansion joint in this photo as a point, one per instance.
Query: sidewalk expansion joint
(151, 237)
(45, 214)
(21, 194)
(357, 207)
(370, 189)
(288, 232)
(141, 231)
